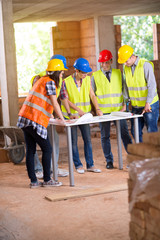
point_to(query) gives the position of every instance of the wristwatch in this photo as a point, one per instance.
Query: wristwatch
(69, 114)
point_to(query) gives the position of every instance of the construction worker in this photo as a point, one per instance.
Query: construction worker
(77, 90)
(38, 165)
(142, 89)
(108, 87)
(34, 118)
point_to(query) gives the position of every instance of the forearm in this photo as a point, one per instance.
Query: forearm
(56, 107)
(65, 103)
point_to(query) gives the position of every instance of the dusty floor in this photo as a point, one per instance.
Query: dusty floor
(26, 214)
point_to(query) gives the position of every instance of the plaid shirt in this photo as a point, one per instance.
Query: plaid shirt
(63, 93)
(25, 122)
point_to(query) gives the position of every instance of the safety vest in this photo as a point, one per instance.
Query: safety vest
(42, 74)
(109, 94)
(137, 85)
(80, 99)
(37, 106)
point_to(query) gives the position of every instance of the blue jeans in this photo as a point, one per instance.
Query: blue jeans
(38, 165)
(149, 118)
(105, 138)
(31, 139)
(85, 131)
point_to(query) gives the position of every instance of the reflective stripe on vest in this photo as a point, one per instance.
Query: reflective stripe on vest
(37, 106)
(109, 94)
(80, 99)
(137, 86)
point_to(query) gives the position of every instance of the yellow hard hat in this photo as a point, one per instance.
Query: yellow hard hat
(124, 53)
(55, 65)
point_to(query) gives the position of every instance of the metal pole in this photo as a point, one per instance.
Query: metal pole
(136, 130)
(118, 130)
(70, 157)
(55, 175)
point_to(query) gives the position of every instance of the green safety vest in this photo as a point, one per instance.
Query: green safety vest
(137, 85)
(109, 94)
(41, 74)
(80, 99)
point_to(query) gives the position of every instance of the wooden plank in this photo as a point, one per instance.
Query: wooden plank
(86, 192)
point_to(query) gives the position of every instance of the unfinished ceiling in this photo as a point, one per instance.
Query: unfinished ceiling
(68, 10)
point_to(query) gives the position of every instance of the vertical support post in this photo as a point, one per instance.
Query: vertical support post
(52, 131)
(118, 131)
(70, 156)
(136, 130)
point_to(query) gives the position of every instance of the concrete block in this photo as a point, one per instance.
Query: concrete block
(152, 138)
(131, 158)
(144, 149)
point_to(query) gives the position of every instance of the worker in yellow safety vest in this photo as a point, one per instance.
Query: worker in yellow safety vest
(142, 89)
(34, 118)
(108, 87)
(78, 91)
(38, 166)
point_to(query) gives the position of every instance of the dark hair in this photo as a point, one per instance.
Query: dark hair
(55, 76)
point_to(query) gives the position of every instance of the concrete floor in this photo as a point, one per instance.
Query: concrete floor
(26, 214)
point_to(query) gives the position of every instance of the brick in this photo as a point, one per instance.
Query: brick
(68, 44)
(143, 149)
(155, 202)
(4, 156)
(131, 158)
(137, 216)
(87, 33)
(86, 51)
(67, 26)
(135, 230)
(87, 42)
(152, 225)
(142, 205)
(75, 52)
(87, 24)
(154, 213)
(153, 138)
(65, 35)
(151, 236)
(59, 51)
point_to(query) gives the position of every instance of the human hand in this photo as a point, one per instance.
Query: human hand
(80, 112)
(99, 112)
(123, 109)
(147, 108)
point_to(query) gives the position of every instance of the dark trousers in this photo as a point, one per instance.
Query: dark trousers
(31, 139)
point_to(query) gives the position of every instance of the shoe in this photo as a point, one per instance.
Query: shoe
(62, 173)
(80, 170)
(93, 169)
(109, 165)
(39, 174)
(52, 183)
(35, 184)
